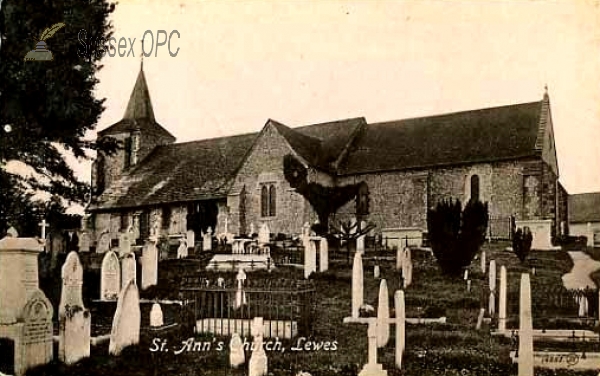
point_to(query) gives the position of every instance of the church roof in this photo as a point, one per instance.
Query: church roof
(584, 207)
(205, 169)
(139, 114)
(484, 135)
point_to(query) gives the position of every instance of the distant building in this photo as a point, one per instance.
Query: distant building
(584, 216)
(503, 155)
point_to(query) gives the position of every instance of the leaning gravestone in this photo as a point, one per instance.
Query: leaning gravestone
(74, 319)
(110, 277)
(128, 269)
(127, 320)
(103, 243)
(236, 351)
(149, 264)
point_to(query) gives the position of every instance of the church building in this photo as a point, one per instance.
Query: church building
(503, 155)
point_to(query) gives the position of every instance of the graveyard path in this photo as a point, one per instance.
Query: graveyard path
(579, 276)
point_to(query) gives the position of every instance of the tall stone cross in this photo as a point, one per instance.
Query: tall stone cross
(43, 224)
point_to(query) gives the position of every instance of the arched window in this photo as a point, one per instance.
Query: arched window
(272, 201)
(475, 187)
(264, 201)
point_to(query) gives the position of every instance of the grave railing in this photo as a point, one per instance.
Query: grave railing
(288, 306)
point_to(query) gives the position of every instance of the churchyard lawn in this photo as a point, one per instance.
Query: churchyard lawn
(454, 348)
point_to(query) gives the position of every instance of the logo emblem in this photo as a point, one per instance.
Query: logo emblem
(41, 52)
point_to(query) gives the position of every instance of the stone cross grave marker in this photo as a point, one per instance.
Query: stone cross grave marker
(149, 264)
(110, 276)
(43, 224)
(127, 320)
(357, 284)
(258, 364)
(128, 269)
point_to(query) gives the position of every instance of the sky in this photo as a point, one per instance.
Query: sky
(241, 63)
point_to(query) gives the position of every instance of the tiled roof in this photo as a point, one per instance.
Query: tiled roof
(464, 137)
(584, 207)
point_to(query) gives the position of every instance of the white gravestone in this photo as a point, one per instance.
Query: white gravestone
(84, 242)
(240, 295)
(190, 239)
(110, 276)
(310, 258)
(156, 316)
(74, 319)
(149, 264)
(128, 269)
(502, 300)
(264, 234)
(357, 284)
(182, 250)
(127, 320)
(492, 285)
(258, 364)
(376, 271)
(525, 329)
(236, 351)
(207, 240)
(483, 261)
(33, 344)
(323, 254)
(400, 326)
(383, 315)
(124, 243)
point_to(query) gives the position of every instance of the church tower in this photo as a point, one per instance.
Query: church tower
(139, 134)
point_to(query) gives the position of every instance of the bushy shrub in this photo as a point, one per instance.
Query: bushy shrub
(456, 236)
(521, 243)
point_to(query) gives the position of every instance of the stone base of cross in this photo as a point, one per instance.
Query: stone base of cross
(372, 368)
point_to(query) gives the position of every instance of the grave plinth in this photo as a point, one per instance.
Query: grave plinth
(18, 275)
(541, 229)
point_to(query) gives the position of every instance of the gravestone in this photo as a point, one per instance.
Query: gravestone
(84, 242)
(236, 351)
(156, 316)
(492, 286)
(207, 240)
(483, 261)
(128, 269)
(502, 300)
(323, 255)
(72, 283)
(240, 294)
(258, 364)
(376, 271)
(310, 258)
(190, 239)
(357, 284)
(360, 244)
(103, 243)
(400, 326)
(127, 320)
(124, 243)
(35, 341)
(110, 276)
(525, 329)
(182, 250)
(252, 229)
(383, 315)
(149, 264)
(264, 234)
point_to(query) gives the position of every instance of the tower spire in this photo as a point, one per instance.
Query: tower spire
(140, 105)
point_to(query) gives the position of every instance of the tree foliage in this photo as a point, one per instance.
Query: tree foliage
(324, 200)
(48, 106)
(456, 236)
(521, 243)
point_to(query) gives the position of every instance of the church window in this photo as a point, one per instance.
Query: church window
(124, 222)
(268, 201)
(475, 187)
(127, 149)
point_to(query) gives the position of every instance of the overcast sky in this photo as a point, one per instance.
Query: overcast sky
(300, 62)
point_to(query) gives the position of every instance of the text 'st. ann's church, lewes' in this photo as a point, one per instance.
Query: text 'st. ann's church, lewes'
(503, 155)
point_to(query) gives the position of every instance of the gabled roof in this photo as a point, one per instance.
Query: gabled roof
(584, 207)
(484, 135)
(139, 114)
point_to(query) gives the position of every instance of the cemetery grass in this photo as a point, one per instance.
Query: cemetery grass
(455, 348)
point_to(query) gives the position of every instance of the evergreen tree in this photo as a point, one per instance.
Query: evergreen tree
(48, 106)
